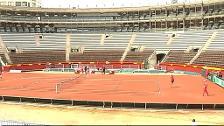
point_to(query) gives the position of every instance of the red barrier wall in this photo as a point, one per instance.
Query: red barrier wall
(183, 67)
(25, 67)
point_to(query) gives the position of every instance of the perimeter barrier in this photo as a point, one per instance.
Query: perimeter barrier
(216, 80)
(141, 71)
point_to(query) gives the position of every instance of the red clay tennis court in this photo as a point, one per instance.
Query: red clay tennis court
(110, 90)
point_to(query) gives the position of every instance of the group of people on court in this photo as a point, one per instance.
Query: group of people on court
(87, 70)
(205, 84)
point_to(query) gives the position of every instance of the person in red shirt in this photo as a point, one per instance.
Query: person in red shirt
(171, 80)
(205, 90)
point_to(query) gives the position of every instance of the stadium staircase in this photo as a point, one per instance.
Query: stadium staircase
(4, 53)
(204, 47)
(166, 56)
(67, 47)
(128, 47)
(217, 42)
(151, 61)
(211, 58)
(184, 40)
(179, 56)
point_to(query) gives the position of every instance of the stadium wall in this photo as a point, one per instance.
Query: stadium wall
(24, 67)
(182, 67)
(190, 68)
(33, 67)
(167, 66)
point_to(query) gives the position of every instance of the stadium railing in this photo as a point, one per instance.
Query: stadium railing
(10, 122)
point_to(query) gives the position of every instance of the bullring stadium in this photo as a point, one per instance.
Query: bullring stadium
(120, 65)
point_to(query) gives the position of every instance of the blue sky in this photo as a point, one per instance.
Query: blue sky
(103, 3)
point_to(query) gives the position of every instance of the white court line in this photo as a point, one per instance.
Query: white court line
(24, 78)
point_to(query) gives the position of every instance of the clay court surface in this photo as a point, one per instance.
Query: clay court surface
(112, 88)
(116, 88)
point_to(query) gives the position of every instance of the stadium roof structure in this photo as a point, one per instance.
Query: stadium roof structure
(112, 3)
(92, 10)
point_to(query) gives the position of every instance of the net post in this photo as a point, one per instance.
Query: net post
(176, 106)
(111, 104)
(103, 104)
(72, 103)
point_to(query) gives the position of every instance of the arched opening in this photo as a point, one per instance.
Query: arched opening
(160, 57)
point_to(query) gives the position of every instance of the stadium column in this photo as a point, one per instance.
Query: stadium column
(3, 46)
(202, 14)
(67, 47)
